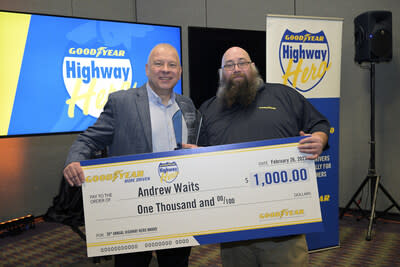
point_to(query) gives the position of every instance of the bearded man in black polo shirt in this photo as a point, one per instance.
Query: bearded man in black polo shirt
(247, 109)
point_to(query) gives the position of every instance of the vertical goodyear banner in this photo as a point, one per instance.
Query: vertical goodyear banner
(305, 54)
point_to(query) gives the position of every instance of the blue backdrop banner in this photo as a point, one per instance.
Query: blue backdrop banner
(59, 71)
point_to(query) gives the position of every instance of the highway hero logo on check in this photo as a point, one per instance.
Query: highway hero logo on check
(304, 58)
(91, 73)
(168, 171)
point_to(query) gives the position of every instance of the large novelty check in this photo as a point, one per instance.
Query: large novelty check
(199, 196)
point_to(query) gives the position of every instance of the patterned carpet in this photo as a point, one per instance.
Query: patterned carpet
(53, 244)
(354, 250)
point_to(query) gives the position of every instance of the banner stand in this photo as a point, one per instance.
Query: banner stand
(305, 53)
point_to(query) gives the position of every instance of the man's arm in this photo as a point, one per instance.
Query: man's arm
(95, 138)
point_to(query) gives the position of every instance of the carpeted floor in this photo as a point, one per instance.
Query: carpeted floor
(53, 244)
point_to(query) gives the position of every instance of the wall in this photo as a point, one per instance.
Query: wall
(355, 103)
(31, 167)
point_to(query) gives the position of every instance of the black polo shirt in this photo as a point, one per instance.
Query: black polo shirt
(277, 112)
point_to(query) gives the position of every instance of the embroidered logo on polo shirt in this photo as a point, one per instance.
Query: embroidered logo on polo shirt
(267, 107)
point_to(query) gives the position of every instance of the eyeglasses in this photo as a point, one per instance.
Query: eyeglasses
(240, 65)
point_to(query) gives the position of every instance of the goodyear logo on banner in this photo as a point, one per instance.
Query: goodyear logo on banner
(304, 58)
(91, 73)
(168, 171)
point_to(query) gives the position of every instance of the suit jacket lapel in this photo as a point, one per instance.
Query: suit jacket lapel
(142, 104)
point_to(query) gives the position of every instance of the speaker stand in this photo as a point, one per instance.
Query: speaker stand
(372, 176)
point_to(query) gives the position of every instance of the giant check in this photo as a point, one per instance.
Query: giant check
(199, 196)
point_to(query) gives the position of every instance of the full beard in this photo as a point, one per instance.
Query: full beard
(242, 92)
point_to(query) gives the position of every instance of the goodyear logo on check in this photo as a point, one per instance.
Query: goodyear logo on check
(91, 73)
(281, 214)
(304, 58)
(123, 175)
(168, 171)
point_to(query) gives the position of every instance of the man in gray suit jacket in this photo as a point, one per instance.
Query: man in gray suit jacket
(139, 120)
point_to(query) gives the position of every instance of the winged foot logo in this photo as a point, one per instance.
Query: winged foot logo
(304, 59)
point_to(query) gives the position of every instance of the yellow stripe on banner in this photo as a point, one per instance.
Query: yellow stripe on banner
(13, 33)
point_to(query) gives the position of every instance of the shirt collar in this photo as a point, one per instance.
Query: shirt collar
(154, 98)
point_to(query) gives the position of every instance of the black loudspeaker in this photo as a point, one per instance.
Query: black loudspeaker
(373, 36)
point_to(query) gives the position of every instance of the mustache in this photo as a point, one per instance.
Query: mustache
(236, 75)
